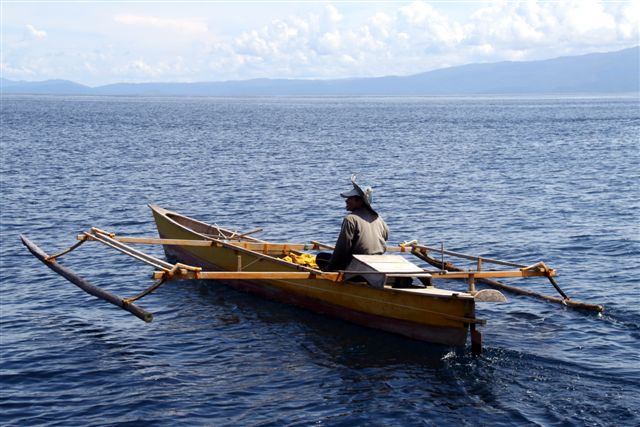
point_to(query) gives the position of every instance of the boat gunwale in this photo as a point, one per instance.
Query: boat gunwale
(227, 245)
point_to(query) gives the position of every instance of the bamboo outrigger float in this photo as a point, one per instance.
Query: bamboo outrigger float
(385, 292)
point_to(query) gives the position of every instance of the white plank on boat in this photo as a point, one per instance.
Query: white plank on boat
(436, 292)
(388, 263)
(381, 267)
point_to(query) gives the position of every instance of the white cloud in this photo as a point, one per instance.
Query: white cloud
(319, 40)
(17, 72)
(138, 68)
(628, 18)
(533, 30)
(89, 67)
(34, 33)
(255, 44)
(508, 24)
(379, 25)
(30, 68)
(333, 14)
(584, 17)
(184, 26)
(417, 37)
(418, 13)
(144, 70)
(329, 42)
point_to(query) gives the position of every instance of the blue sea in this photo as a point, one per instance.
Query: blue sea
(523, 179)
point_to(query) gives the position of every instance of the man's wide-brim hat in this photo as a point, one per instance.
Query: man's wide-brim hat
(363, 192)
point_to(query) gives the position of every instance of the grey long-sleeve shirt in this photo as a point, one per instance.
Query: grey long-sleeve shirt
(363, 232)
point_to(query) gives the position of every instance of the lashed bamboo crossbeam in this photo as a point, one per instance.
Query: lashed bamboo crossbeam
(169, 270)
(154, 241)
(117, 242)
(253, 246)
(248, 275)
(127, 250)
(461, 255)
(241, 235)
(410, 247)
(461, 274)
(450, 271)
(513, 289)
(268, 247)
(564, 301)
(234, 234)
(336, 276)
(319, 245)
(284, 247)
(84, 284)
(488, 274)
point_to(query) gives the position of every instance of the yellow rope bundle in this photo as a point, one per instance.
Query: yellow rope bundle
(307, 260)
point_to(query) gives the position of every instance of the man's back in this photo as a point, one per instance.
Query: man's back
(363, 232)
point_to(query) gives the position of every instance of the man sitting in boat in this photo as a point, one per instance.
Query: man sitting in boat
(363, 231)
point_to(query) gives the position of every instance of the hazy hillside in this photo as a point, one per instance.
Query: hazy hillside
(613, 72)
(50, 87)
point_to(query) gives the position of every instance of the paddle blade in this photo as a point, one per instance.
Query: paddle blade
(490, 295)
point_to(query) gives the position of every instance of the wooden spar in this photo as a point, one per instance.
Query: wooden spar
(85, 285)
(280, 247)
(253, 246)
(333, 276)
(141, 256)
(245, 234)
(461, 274)
(284, 248)
(152, 241)
(246, 275)
(513, 289)
(411, 246)
(538, 270)
(568, 302)
(183, 271)
(318, 245)
(117, 242)
(466, 256)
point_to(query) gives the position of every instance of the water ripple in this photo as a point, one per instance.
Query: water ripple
(521, 179)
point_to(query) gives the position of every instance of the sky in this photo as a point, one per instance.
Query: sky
(102, 42)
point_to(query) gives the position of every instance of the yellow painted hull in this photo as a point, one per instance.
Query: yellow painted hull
(427, 314)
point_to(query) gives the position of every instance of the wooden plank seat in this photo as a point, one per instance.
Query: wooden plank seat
(378, 269)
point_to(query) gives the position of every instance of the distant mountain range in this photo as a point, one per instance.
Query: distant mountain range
(596, 73)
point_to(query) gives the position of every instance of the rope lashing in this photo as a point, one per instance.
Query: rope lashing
(52, 258)
(145, 292)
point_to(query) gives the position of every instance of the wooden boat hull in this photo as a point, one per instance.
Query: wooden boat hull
(429, 315)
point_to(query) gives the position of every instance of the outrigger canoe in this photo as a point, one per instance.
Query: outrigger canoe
(427, 314)
(385, 292)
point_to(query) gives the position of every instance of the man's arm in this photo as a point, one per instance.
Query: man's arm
(385, 230)
(342, 252)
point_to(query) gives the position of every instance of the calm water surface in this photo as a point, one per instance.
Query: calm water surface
(520, 179)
